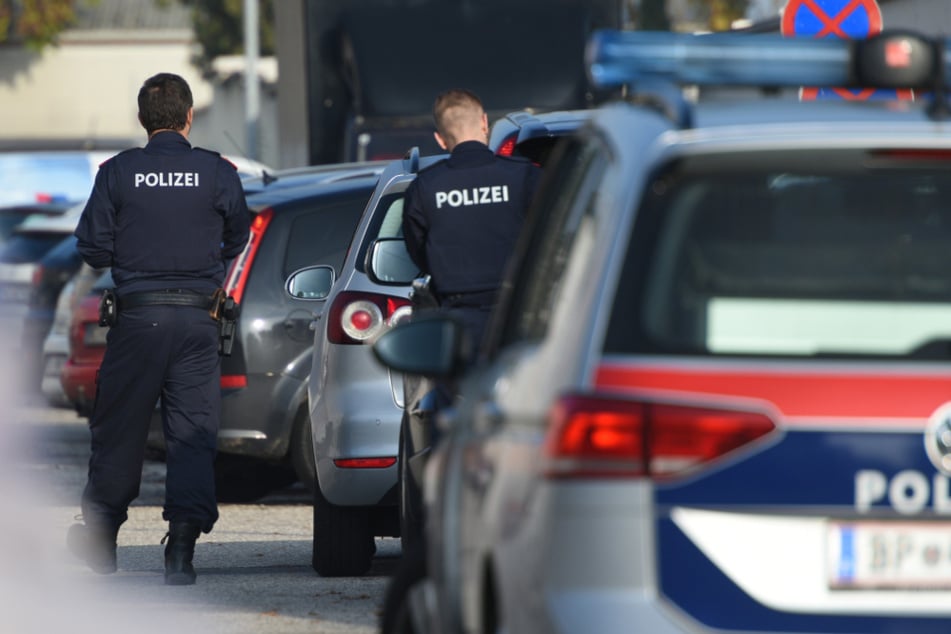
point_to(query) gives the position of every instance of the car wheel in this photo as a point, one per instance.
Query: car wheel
(302, 451)
(411, 511)
(343, 541)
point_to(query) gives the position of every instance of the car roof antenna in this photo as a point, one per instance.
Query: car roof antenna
(266, 178)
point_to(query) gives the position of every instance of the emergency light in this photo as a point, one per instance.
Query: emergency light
(888, 60)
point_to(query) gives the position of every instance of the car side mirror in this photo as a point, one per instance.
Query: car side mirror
(427, 345)
(388, 263)
(311, 283)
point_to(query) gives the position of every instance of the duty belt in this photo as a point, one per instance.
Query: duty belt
(167, 297)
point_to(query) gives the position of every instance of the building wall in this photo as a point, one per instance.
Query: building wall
(85, 89)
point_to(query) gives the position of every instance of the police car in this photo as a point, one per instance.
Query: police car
(716, 396)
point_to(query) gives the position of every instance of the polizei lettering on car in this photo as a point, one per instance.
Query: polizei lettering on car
(473, 196)
(166, 179)
(908, 491)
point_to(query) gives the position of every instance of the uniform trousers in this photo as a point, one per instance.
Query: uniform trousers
(153, 351)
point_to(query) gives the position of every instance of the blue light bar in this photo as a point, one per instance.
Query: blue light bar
(616, 58)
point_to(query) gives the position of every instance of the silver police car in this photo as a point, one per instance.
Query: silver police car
(716, 396)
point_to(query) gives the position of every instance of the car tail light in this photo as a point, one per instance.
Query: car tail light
(915, 155)
(365, 463)
(604, 436)
(241, 267)
(356, 318)
(233, 381)
(37, 276)
(507, 147)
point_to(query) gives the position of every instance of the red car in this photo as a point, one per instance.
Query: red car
(87, 346)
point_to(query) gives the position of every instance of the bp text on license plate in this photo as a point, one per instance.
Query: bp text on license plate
(889, 555)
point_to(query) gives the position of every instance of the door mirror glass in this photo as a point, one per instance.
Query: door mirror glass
(389, 263)
(311, 283)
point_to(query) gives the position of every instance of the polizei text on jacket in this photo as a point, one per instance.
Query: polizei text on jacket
(473, 196)
(166, 179)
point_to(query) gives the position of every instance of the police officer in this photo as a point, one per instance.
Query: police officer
(165, 218)
(462, 215)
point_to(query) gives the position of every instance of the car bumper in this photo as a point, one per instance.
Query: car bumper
(361, 421)
(79, 383)
(256, 421)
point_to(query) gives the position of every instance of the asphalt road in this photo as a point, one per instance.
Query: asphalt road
(254, 571)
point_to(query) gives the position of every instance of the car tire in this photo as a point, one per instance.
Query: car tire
(411, 504)
(302, 451)
(343, 540)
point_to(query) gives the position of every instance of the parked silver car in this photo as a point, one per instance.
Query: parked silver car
(355, 404)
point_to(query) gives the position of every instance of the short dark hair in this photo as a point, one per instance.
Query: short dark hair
(164, 101)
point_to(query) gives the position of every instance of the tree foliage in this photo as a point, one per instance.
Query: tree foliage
(35, 23)
(219, 28)
(218, 24)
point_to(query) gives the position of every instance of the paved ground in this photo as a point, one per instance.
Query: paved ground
(254, 568)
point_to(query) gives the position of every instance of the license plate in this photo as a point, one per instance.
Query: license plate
(95, 335)
(899, 555)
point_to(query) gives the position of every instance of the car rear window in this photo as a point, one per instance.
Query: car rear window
(22, 248)
(322, 235)
(838, 254)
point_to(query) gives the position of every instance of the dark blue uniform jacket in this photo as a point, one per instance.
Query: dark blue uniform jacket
(462, 217)
(164, 216)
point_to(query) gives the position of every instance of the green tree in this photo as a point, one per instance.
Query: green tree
(219, 28)
(218, 24)
(35, 23)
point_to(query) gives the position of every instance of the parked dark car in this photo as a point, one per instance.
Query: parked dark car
(301, 218)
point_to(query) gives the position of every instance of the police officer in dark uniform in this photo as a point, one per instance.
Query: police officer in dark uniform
(165, 218)
(462, 215)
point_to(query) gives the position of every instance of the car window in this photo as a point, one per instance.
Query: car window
(790, 254)
(392, 225)
(386, 222)
(65, 250)
(567, 194)
(322, 235)
(28, 247)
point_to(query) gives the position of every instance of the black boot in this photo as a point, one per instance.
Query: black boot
(95, 545)
(179, 551)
